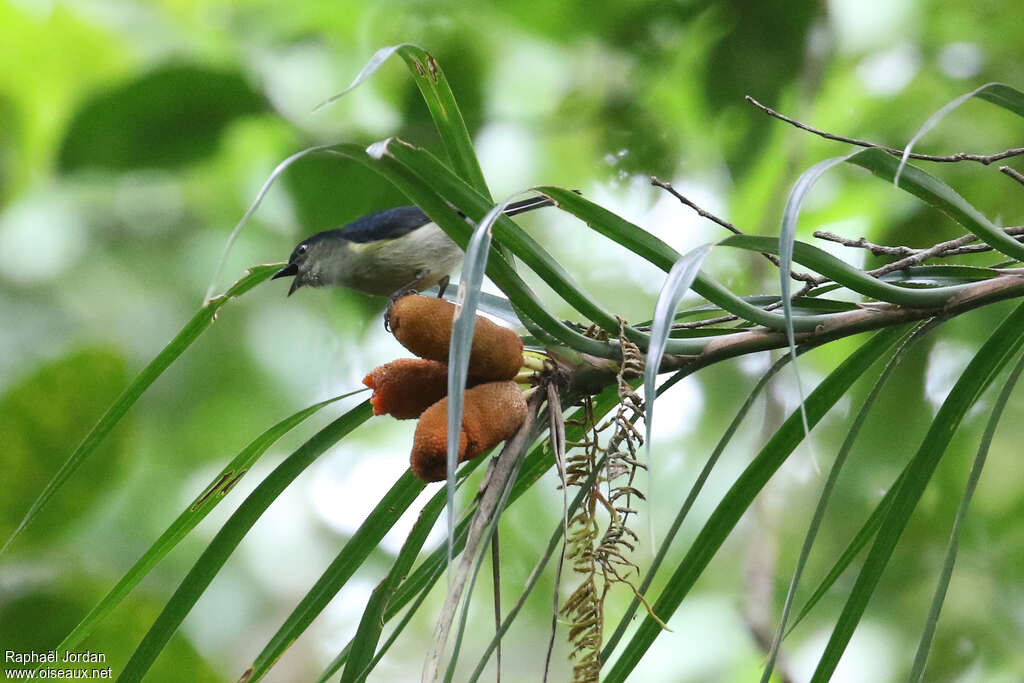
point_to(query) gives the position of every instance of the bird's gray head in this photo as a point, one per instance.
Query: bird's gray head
(305, 263)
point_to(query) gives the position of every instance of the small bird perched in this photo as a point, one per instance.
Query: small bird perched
(382, 253)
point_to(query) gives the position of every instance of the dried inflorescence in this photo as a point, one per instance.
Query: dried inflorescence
(602, 559)
(494, 407)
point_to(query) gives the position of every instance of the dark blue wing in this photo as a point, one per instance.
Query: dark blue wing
(401, 220)
(386, 224)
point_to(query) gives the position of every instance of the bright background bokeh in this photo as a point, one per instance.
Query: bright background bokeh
(134, 135)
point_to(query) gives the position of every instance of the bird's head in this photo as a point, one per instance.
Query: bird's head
(303, 264)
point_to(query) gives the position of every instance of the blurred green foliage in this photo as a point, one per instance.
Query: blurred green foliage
(133, 135)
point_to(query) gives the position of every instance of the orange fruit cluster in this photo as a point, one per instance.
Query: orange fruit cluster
(406, 388)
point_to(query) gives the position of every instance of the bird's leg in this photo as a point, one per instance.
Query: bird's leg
(442, 285)
(405, 291)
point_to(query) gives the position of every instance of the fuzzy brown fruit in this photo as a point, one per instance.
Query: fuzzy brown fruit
(424, 326)
(405, 387)
(492, 413)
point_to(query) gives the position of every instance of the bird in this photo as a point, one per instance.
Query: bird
(393, 251)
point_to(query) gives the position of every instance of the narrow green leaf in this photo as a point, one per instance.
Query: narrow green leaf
(463, 325)
(231, 534)
(207, 500)
(939, 275)
(787, 237)
(860, 539)
(188, 334)
(924, 647)
(440, 100)
(742, 493)
(930, 123)
(992, 356)
(830, 482)
(446, 114)
(652, 249)
(237, 230)
(1003, 96)
(367, 537)
(698, 485)
(364, 643)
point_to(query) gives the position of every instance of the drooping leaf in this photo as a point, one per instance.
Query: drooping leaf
(991, 357)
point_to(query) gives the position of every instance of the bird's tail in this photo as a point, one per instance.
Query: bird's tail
(527, 205)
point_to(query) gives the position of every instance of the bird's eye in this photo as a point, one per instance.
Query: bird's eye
(302, 249)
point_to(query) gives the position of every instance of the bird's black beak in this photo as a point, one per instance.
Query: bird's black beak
(288, 271)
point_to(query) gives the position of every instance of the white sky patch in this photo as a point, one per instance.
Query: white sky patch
(297, 78)
(755, 364)
(306, 354)
(945, 363)
(528, 67)
(41, 236)
(284, 550)
(341, 617)
(825, 191)
(677, 411)
(687, 653)
(676, 225)
(872, 655)
(961, 60)
(889, 71)
(225, 611)
(506, 152)
(866, 24)
(348, 484)
(371, 112)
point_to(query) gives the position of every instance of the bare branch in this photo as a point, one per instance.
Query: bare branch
(866, 318)
(912, 257)
(1013, 173)
(861, 243)
(985, 159)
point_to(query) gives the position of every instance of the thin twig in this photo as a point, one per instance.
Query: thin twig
(861, 243)
(802, 277)
(1013, 173)
(496, 577)
(985, 159)
(912, 257)
(557, 441)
